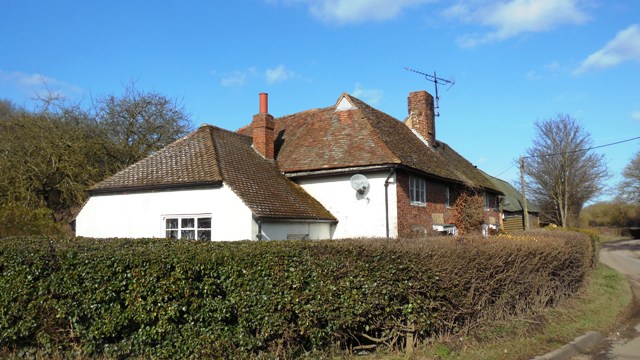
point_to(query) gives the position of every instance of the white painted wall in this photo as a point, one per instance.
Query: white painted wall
(279, 230)
(138, 215)
(358, 216)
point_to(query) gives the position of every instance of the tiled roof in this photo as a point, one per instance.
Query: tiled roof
(259, 183)
(321, 139)
(211, 155)
(190, 160)
(513, 195)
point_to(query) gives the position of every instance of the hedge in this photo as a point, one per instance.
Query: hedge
(179, 299)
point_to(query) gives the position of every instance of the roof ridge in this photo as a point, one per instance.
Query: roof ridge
(284, 117)
(250, 177)
(219, 129)
(363, 105)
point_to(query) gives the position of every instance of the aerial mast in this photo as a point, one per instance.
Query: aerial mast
(436, 81)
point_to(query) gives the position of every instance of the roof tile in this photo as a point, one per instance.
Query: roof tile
(190, 160)
(258, 182)
(322, 139)
(211, 155)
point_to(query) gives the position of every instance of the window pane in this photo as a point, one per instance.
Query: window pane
(447, 199)
(172, 234)
(204, 223)
(204, 234)
(188, 234)
(172, 223)
(188, 223)
(417, 190)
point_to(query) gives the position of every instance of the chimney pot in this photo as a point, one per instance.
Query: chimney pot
(264, 103)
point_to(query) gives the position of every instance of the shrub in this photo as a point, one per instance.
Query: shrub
(16, 220)
(175, 299)
(467, 213)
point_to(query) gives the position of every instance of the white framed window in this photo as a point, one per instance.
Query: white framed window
(417, 190)
(189, 227)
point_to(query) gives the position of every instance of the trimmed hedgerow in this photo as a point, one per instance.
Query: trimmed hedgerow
(176, 299)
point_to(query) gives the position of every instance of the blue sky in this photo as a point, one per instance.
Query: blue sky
(513, 61)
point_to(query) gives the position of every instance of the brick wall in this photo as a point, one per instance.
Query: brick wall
(413, 219)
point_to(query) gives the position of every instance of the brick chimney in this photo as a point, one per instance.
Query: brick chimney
(421, 115)
(262, 127)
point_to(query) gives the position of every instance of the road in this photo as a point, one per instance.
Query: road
(625, 345)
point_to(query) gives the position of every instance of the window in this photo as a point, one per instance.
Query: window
(417, 190)
(447, 197)
(188, 227)
(490, 201)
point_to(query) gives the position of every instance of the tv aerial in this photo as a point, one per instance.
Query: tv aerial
(359, 183)
(436, 81)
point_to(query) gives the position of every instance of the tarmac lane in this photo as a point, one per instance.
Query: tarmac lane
(624, 257)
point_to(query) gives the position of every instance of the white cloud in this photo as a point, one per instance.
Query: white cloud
(356, 11)
(38, 85)
(551, 69)
(237, 78)
(278, 74)
(624, 47)
(635, 115)
(513, 17)
(370, 96)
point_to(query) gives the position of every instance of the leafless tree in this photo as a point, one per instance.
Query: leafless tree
(562, 172)
(138, 123)
(629, 188)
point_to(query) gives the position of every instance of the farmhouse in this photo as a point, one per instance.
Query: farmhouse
(347, 170)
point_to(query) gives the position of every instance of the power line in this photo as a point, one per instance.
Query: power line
(581, 150)
(572, 151)
(523, 184)
(505, 170)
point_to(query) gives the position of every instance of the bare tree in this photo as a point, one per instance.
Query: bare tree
(138, 123)
(562, 173)
(629, 188)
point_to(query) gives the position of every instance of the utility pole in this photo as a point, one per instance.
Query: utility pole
(525, 213)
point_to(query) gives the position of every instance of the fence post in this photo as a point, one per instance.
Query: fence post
(410, 337)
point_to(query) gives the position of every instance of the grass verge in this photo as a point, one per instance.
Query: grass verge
(603, 303)
(610, 238)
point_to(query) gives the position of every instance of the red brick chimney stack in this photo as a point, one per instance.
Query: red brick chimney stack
(262, 127)
(422, 116)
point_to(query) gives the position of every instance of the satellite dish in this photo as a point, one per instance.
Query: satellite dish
(505, 201)
(359, 183)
